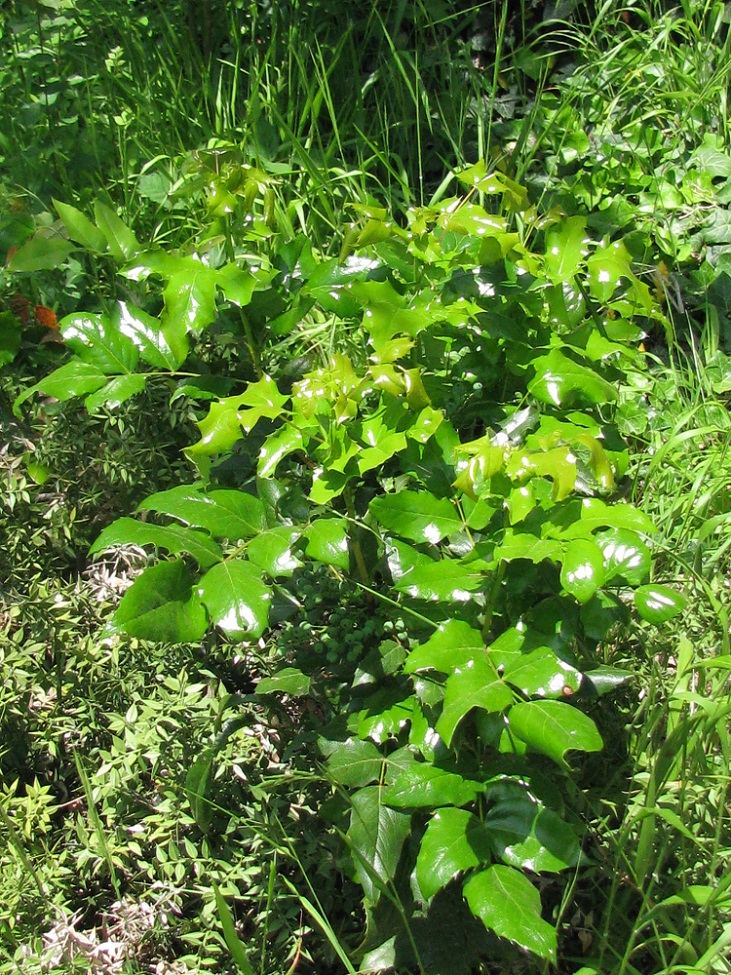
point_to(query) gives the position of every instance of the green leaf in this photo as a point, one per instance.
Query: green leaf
(122, 243)
(40, 254)
(542, 674)
(80, 228)
(147, 335)
(565, 249)
(115, 392)
(508, 904)
(455, 841)
(626, 556)
(608, 263)
(236, 599)
(272, 551)
(327, 541)
(224, 513)
(173, 538)
(417, 515)
(474, 686)
(288, 680)
(658, 604)
(422, 785)
(190, 297)
(559, 381)
(355, 763)
(526, 835)
(197, 782)
(444, 581)
(233, 942)
(376, 836)
(452, 645)
(74, 379)
(554, 728)
(287, 440)
(582, 570)
(10, 336)
(160, 606)
(95, 340)
(236, 284)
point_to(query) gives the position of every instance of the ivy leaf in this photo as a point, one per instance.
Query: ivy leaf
(376, 836)
(355, 763)
(224, 513)
(423, 784)
(455, 841)
(236, 599)
(417, 515)
(451, 647)
(160, 606)
(327, 542)
(554, 728)
(526, 835)
(606, 266)
(658, 604)
(173, 538)
(475, 686)
(95, 340)
(508, 904)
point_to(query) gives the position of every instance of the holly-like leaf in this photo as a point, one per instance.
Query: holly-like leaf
(524, 834)
(327, 541)
(161, 606)
(355, 763)
(173, 538)
(115, 392)
(287, 440)
(80, 228)
(288, 680)
(658, 604)
(236, 599)
(272, 551)
(559, 381)
(224, 513)
(452, 645)
(76, 378)
(40, 254)
(542, 674)
(147, 335)
(96, 340)
(554, 728)
(417, 515)
(474, 686)
(190, 297)
(122, 243)
(376, 836)
(626, 556)
(425, 785)
(582, 570)
(455, 841)
(508, 904)
(443, 581)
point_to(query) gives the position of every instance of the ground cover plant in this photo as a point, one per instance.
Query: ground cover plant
(411, 644)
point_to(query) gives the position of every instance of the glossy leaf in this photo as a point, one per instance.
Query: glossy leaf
(526, 835)
(161, 606)
(173, 538)
(80, 228)
(327, 541)
(376, 836)
(417, 515)
(455, 841)
(122, 243)
(582, 569)
(225, 513)
(554, 728)
(425, 785)
(355, 763)
(442, 581)
(40, 254)
(626, 556)
(236, 599)
(476, 685)
(115, 392)
(285, 441)
(272, 551)
(76, 378)
(565, 249)
(658, 604)
(147, 335)
(508, 904)
(607, 265)
(190, 297)
(288, 680)
(451, 647)
(559, 381)
(541, 673)
(95, 340)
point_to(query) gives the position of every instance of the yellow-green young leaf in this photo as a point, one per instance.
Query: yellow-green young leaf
(559, 381)
(565, 248)
(607, 265)
(658, 604)
(554, 728)
(161, 606)
(508, 904)
(236, 599)
(455, 841)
